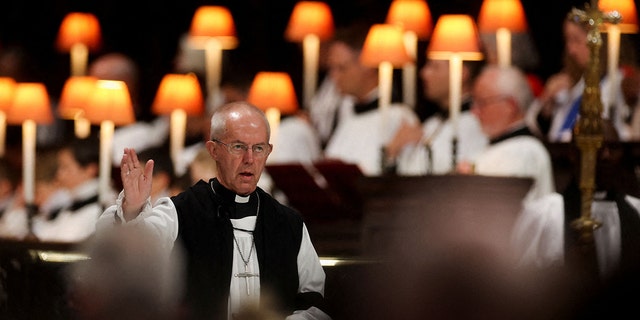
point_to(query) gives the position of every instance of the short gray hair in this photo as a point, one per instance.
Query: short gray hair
(221, 115)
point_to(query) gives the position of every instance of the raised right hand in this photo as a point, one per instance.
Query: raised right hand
(136, 181)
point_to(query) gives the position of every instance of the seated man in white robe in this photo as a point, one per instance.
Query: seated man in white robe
(362, 129)
(500, 100)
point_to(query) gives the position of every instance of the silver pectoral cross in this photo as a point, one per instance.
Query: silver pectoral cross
(246, 275)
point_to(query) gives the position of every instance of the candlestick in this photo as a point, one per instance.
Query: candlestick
(3, 132)
(311, 51)
(29, 162)
(178, 128)
(106, 140)
(455, 89)
(273, 116)
(409, 69)
(503, 45)
(613, 51)
(385, 81)
(213, 61)
(81, 126)
(79, 55)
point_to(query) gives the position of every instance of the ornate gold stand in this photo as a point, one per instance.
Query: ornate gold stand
(588, 133)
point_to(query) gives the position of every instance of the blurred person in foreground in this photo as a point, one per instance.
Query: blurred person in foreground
(128, 276)
(242, 247)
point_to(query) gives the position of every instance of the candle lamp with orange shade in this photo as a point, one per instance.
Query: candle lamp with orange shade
(30, 106)
(73, 102)
(415, 19)
(109, 105)
(7, 90)
(625, 11)
(455, 38)
(502, 17)
(310, 23)
(180, 96)
(273, 93)
(79, 34)
(212, 29)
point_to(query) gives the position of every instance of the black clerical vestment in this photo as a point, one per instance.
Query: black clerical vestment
(206, 235)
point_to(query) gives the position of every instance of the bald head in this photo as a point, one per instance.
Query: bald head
(232, 112)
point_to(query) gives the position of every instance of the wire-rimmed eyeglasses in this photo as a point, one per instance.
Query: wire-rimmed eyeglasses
(239, 148)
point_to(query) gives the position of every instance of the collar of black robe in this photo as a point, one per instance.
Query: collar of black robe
(75, 206)
(236, 209)
(521, 130)
(362, 107)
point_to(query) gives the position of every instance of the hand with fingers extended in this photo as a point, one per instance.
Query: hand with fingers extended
(136, 181)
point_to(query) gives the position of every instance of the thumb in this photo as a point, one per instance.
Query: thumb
(148, 168)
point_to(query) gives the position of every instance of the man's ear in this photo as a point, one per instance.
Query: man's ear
(212, 147)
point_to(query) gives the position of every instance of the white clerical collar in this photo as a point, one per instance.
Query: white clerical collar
(241, 199)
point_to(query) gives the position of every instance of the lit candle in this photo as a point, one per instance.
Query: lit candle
(29, 162)
(311, 49)
(273, 116)
(503, 44)
(178, 128)
(106, 138)
(3, 132)
(409, 69)
(455, 89)
(81, 126)
(385, 81)
(79, 55)
(213, 61)
(613, 48)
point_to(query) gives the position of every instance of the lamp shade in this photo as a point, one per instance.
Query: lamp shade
(213, 21)
(273, 90)
(310, 17)
(30, 102)
(384, 43)
(78, 27)
(455, 34)
(627, 9)
(411, 15)
(110, 101)
(7, 90)
(178, 91)
(496, 14)
(75, 95)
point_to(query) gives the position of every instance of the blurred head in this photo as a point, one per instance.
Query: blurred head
(435, 80)
(202, 167)
(117, 66)
(129, 276)
(500, 99)
(343, 63)
(239, 145)
(78, 162)
(575, 37)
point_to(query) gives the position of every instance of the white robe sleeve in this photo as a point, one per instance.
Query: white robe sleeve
(311, 277)
(161, 219)
(538, 235)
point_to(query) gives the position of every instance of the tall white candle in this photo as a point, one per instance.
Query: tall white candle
(81, 126)
(311, 51)
(213, 63)
(29, 160)
(3, 132)
(178, 127)
(273, 116)
(409, 70)
(503, 47)
(79, 56)
(613, 51)
(106, 138)
(455, 90)
(385, 83)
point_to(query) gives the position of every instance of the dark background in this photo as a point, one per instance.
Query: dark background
(149, 32)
